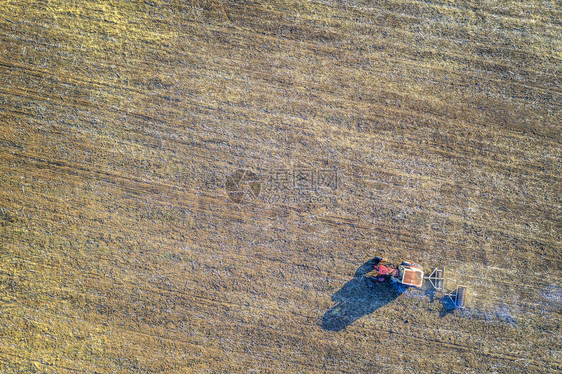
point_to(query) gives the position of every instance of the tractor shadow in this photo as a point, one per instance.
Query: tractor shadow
(357, 298)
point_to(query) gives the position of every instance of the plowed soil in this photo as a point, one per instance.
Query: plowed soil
(200, 186)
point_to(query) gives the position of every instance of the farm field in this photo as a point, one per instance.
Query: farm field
(200, 186)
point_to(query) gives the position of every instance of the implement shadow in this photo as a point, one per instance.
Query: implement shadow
(358, 297)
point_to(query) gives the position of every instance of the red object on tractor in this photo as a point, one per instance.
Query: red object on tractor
(384, 270)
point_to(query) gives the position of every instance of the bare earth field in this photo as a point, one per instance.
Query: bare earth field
(419, 130)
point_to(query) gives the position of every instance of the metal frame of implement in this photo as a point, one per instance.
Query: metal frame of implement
(437, 281)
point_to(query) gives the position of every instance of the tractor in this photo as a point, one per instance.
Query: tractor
(408, 275)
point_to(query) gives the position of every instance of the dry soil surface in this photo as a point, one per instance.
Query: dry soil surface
(199, 186)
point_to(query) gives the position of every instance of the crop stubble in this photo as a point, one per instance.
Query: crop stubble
(120, 122)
